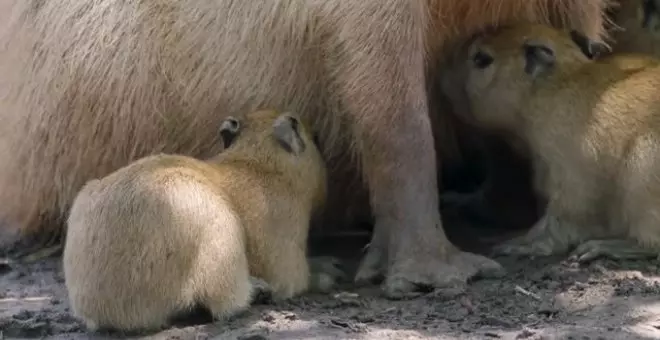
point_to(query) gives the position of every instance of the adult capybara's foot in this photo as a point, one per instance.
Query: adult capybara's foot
(416, 275)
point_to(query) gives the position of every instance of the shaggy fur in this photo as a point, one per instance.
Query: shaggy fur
(96, 84)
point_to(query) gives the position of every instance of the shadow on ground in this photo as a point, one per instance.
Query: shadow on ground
(539, 299)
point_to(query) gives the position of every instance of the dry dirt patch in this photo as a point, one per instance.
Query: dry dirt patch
(539, 299)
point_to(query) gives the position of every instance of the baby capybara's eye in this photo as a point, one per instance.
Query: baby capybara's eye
(482, 60)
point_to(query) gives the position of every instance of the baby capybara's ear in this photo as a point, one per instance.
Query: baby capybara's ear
(229, 130)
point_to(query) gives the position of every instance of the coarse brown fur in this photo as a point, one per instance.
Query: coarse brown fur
(168, 232)
(97, 84)
(636, 27)
(592, 126)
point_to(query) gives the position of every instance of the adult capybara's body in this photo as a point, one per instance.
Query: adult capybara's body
(97, 84)
(169, 232)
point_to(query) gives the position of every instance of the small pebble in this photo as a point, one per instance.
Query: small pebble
(390, 310)
(598, 268)
(580, 286)
(458, 315)
(268, 317)
(548, 309)
(5, 267)
(364, 318)
(23, 315)
(526, 333)
(492, 321)
(445, 294)
(348, 299)
(202, 336)
(253, 337)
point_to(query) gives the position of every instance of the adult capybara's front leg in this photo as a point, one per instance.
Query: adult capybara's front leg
(386, 91)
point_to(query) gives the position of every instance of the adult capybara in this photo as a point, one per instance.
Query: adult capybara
(94, 85)
(592, 127)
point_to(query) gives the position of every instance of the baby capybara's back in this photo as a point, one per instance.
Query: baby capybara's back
(135, 269)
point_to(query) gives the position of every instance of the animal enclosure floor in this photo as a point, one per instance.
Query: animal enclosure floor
(539, 299)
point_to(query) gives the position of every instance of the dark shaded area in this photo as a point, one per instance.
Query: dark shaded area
(490, 173)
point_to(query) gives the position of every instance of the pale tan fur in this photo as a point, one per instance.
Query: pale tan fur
(592, 127)
(630, 33)
(168, 231)
(96, 84)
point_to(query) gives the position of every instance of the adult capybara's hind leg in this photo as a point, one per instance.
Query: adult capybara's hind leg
(386, 90)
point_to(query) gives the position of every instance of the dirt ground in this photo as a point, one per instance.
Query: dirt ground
(549, 298)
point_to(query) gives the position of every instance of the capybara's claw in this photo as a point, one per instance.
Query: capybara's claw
(614, 249)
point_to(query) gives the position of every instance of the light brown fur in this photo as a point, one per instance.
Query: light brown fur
(168, 232)
(636, 27)
(592, 127)
(100, 83)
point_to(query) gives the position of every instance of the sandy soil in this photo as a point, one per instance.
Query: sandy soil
(549, 298)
